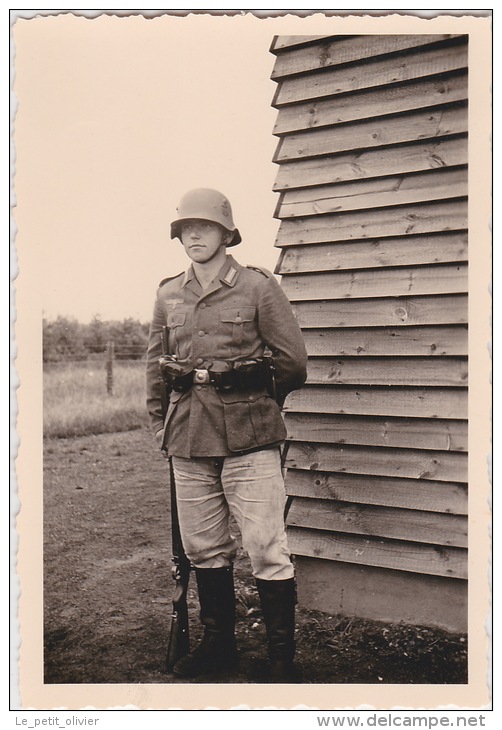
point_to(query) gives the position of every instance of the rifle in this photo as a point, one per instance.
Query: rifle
(179, 639)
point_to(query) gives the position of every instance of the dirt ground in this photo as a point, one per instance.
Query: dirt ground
(108, 587)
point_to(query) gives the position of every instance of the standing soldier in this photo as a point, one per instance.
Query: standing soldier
(237, 352)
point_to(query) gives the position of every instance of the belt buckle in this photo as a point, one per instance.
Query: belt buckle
(201, 376)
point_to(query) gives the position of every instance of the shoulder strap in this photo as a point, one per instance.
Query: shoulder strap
(260, 270)
(169, 278)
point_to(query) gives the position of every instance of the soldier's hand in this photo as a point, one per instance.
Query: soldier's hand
(159, 437)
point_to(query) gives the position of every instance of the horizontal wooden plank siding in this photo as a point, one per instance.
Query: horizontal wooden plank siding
(336, 52)
(377, 400)
(414, 157)
(397, 555)
(433, 341)
(367, 104)
(399, 524)
(399, 221)
(374, 133)
(388, 371)
(426, 496)
(372, 184)
(443, 279)
(386, 311)
(432, 249)
(384, 595)
(368, 75)
(447, 466)
(417, 433)
(379, 193)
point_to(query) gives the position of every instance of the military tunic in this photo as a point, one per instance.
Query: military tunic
(242, 313)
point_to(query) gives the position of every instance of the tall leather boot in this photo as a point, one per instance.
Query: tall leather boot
(278, 599)
(217, 651)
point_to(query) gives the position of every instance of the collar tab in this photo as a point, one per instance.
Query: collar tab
(229, 277)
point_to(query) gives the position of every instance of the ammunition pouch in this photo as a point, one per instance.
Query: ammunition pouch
(251, 374)
(243, 375)
(174, 375)
(221, 375)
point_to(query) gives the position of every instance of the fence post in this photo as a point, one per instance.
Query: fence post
(109, 367)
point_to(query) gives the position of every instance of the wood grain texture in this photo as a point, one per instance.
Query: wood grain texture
(366, 75)
(385, 311)
(426, 559)
(395, 281)
(330, 52)
(376, 521)
(443, 466)
(374, 400)
(418, 371)
(420, 187)
(387, 100)
(431, 249)
(428, 496)
(379, 594)
(381, 223)
(413, 340)
(376, 132)
(361, 164)
(416, 433)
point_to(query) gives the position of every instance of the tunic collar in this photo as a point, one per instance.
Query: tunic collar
(189, 275)
(228, 274)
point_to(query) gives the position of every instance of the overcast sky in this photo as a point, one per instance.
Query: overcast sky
(117, 118)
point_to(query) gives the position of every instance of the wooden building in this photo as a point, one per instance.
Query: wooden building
(372, 183)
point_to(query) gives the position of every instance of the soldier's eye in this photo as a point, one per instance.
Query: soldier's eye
(200, 227)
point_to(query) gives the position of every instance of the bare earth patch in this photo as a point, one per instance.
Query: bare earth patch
(108, 586)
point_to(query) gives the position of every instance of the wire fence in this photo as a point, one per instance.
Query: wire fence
(128, 353)
(104, 361)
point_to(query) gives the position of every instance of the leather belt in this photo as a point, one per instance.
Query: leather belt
(242, 375)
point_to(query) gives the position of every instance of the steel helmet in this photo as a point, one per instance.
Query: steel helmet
(209, 205)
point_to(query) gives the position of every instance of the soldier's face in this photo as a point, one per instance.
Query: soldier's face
(202, 240)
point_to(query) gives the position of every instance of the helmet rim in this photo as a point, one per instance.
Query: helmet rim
(209, 205)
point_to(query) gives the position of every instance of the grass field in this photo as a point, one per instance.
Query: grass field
(108, 589)
(107, 579)
(76, 402)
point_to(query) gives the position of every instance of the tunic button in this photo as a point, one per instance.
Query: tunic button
(238, 320)
(203, 305)
(201, 333)
(199, 360)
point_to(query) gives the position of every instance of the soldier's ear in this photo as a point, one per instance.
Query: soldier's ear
(226, 238)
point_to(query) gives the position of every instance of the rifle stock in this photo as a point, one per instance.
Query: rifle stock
(179, 637)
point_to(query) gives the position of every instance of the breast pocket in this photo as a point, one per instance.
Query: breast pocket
(238, 326)
(179, 340)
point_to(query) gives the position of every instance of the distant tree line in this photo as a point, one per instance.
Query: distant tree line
(67, 339)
